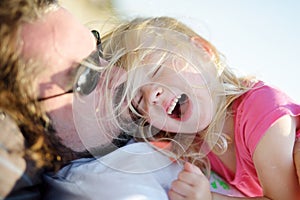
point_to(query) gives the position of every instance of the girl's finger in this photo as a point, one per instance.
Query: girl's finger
(175, 196)
(181, 187)
(192, 168)
(191, 178)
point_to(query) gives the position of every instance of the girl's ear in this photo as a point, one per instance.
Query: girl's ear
(210, 50)
(201, 43)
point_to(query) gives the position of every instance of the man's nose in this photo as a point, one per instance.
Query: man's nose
(153, 93)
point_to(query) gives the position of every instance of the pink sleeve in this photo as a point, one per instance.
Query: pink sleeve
(255, 112)
(258, 110)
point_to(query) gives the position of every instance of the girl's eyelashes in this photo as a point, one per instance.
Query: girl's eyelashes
(138, 103)
(135, 104)
(140, 100)
(155, 72)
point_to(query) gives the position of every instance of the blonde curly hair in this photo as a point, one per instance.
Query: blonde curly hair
(129, 44)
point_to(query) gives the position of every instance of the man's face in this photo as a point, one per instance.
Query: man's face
(59, 42)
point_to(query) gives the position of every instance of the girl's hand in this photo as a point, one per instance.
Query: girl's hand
(191, 184)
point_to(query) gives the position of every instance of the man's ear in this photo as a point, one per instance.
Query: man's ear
(206, 46)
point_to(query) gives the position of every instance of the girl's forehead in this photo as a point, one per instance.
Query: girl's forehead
(152, 38)
(165, 47)
(166, 59)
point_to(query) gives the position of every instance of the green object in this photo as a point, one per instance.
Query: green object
(214, 185)
(220, 182)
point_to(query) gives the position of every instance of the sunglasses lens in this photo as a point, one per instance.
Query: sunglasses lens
(87, 78)
(87, 81)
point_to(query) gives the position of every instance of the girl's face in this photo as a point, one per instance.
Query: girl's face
(173, 96)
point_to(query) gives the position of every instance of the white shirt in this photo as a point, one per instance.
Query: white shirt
(133, 172)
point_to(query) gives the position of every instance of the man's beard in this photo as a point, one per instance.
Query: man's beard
(68, 154)
(116, 143)
(65, 152)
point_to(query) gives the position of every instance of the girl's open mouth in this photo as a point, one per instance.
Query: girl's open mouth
(178, 107)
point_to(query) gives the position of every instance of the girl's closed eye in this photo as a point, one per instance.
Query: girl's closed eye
(156, 71)
(136, 103)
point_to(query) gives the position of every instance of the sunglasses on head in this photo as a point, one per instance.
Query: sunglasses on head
(87, 78)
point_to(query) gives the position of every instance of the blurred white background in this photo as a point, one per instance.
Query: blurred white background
(257, 37)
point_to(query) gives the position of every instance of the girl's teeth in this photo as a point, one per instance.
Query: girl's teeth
(173, 104)
(171, 108)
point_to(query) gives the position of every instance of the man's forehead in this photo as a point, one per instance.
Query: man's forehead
(56, 31)
(38, 35)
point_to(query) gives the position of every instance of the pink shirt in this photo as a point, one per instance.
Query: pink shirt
(255, 112)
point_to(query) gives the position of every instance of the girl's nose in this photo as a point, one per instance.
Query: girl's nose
(152, 93)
